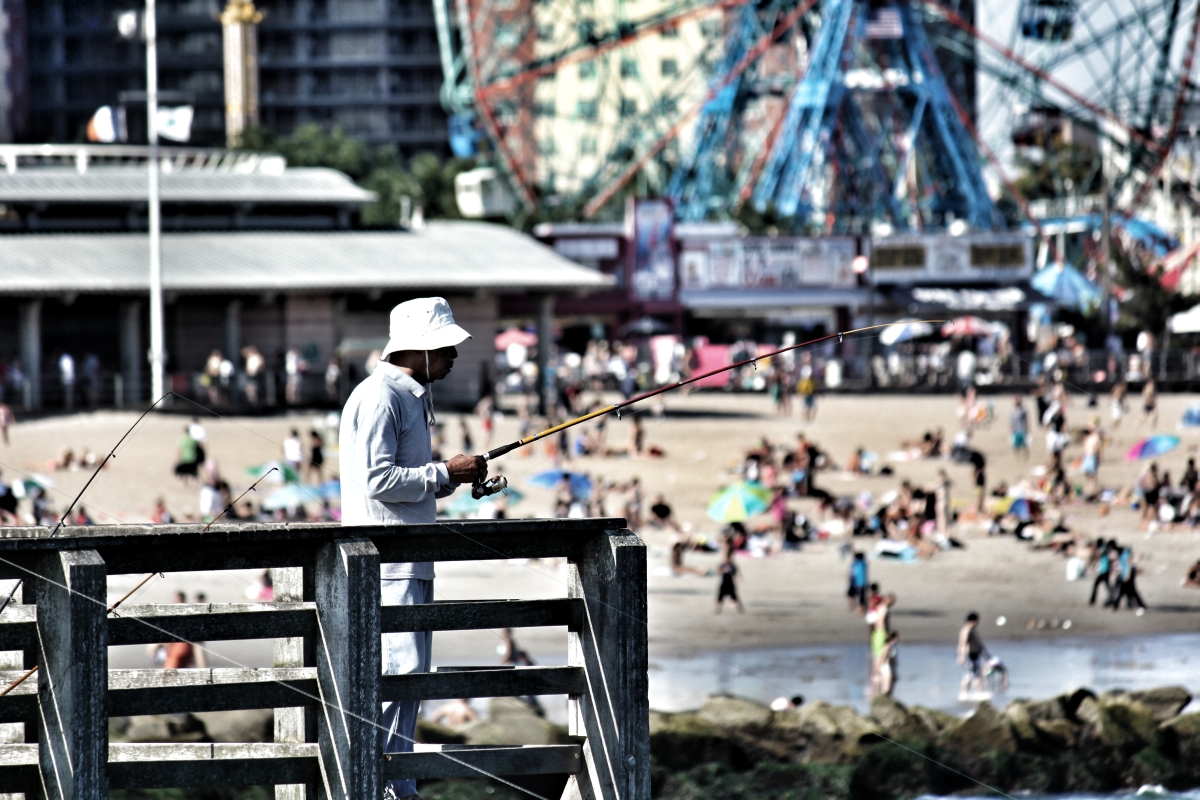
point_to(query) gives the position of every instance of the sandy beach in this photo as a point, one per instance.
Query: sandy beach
(792, 599)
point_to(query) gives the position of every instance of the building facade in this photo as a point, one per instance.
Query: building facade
(368, 66)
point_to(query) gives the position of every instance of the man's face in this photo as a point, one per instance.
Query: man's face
(441, 361)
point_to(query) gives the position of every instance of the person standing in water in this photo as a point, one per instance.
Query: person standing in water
(729, 580)
(971, 650)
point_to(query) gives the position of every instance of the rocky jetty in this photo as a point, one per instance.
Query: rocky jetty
(735, 748)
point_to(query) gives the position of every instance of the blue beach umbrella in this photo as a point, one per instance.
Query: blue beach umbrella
(1067, 286)
(581, 485)
(739, 502)
(1153, 447)
(465, 505)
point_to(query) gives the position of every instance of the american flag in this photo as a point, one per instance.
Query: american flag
(886, 25)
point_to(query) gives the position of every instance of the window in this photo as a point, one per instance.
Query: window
(629, 68)
(544, 108)
(545, 32)
(711, 28)
(671, 32)
(668, 105)
(587, 146)
(898, 257)
(587, 70)
(585, 109)
(546, 147)
(669, 67)
(997, 255)
(628, 107)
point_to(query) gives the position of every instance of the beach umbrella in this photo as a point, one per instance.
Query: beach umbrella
(330, 490)
(1153, 447)
(904, 330)
(581, 485)
(968, 326)
(739, 502)
(291, 496)
(1191, 418)
(465, 505)
(1185, 321)
(284, 473)
(508, 338)
(27, 485)
(1067, 286)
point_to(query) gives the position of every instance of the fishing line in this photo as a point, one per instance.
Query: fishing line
(536, 437)
(111, 454)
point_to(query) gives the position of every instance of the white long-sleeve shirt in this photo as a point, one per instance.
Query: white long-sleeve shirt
(387, 470)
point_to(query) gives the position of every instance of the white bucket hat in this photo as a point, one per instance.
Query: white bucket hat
(423, 324)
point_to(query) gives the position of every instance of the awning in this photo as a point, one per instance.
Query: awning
(922, 299)
(761, 300)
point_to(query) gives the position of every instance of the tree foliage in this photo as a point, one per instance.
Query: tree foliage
(426, 178)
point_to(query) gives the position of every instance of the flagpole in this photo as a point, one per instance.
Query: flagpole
(157, 388)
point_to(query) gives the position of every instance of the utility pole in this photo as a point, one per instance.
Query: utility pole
(157, 388)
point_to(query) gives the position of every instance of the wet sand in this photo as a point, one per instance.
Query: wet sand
(793, 599)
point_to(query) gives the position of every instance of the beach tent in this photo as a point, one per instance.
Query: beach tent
(1067, 286)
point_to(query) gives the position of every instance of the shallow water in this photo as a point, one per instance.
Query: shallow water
(928, 675)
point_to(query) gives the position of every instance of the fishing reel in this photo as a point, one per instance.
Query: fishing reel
(489, 486)
(485, 486)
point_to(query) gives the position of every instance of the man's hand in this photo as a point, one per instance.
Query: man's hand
(462, 469)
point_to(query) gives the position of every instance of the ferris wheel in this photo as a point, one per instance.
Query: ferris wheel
(822, 115)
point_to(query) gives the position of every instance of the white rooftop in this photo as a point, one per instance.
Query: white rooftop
(443, 255)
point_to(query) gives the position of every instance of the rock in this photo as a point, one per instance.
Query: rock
(1088, 712)
(1065, 706)
(834, 733)
(1163, 703)
(731, 713)
(1058, 734)
(1021, 721)
(980, 736)
(1121, 725)
(683, 741)
(511, 721)
(898, 723)
(257, 725)
(1182, 735)
(936, 721)
(160, 728)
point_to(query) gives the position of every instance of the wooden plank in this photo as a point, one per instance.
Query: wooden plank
(483, 683)
(291, 721)
(73, 661)
(480, 762)
(18, 626)
(159, 766)
(149, 548)
(482, 615)
(174, 691)
(19, 768)
(210, 622)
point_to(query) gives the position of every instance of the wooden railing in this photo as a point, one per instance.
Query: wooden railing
(327, 685)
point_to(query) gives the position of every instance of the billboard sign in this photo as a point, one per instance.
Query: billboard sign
(652, 257)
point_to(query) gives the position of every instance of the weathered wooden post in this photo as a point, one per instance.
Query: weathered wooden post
(349, 665)
(291, 724)
(73, 674)
(614, 714)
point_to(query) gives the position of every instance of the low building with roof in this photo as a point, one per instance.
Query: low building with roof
(254, 254)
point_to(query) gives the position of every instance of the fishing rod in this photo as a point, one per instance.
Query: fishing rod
(485, 486)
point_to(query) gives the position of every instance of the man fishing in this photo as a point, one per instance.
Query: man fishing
(389, 478)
